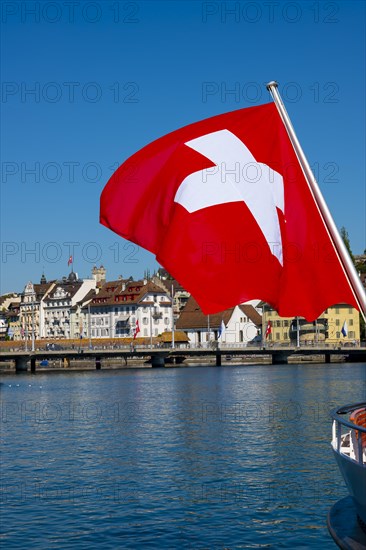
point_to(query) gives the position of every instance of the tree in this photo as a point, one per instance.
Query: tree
(345, 237)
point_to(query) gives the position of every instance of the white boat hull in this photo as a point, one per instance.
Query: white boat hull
(354, 475)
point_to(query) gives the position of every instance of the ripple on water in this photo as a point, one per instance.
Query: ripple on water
(199, 458)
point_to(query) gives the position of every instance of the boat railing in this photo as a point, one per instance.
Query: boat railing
(349, 438)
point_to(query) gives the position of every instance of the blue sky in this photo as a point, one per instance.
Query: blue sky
(109, 77)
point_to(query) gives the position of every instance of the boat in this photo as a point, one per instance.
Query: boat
(347, 518)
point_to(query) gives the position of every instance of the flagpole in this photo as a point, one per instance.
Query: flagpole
(173, 335)
(208, 330)
(340, 248)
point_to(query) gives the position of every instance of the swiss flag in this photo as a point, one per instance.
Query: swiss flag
(268, 329)
(69, 261)
(224, 206)
(137, 329)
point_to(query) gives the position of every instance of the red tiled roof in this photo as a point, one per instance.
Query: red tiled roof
(192, 317)
(127, 292)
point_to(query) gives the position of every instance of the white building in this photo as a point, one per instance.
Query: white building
(120, 306)
(80, 316)
(58, 305)
(242, 324)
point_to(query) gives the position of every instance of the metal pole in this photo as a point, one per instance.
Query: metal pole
(208, 330)
(263, 326)
(89, 327)
(297, 332)
(336, 239)
(150, 328)
(173, 335)
(32, 322)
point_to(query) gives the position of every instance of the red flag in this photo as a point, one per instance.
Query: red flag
(69, 261)
(268, 329)
(137, 329)
(224, 206)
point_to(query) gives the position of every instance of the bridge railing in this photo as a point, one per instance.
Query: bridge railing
(208, 346)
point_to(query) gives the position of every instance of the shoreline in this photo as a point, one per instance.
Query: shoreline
(133, 364)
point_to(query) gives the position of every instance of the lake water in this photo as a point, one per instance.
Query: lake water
(202, 458)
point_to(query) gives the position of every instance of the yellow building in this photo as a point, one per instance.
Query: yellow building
(326, 330)
(343, 316)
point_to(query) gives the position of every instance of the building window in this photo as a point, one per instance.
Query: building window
(351, 334)
(350, 311)
(350, 322)
(145, 320)
(337, 310)
(145, 331)
(337, 322)
(338, 334)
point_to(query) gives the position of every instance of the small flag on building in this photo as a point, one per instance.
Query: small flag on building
(344, 330)
(268, 329)
(221, 330)
(70, 260)
(137, 329)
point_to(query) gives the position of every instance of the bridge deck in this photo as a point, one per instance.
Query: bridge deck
(39, 355)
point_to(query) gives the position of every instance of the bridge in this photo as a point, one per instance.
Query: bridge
(159, 356)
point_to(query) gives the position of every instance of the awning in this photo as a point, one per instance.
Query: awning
(123, 318)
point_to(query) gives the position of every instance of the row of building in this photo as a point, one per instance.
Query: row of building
(94, 308)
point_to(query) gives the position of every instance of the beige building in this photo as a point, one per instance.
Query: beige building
(326, 330)
(31, 308)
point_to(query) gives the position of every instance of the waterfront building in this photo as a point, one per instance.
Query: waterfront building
(3, 326)
(242, 324)
(31, 308)
(123, 305)
(172, 286)
(327, 329)
(58, 305)
(13, 319)
(80, 316)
